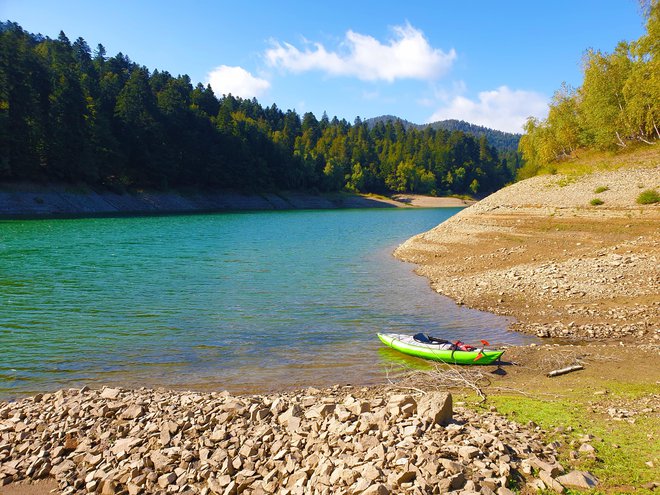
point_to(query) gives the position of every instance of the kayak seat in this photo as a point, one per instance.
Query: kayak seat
(427, 339)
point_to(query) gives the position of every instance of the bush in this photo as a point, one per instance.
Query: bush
(601, 189)
(596, 202)
(648, 197)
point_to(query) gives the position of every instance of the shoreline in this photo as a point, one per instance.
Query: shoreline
(539, 252)
(33, 201)
(379, 439)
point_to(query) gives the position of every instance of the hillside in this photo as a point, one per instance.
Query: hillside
(502, 141)
(542, 251)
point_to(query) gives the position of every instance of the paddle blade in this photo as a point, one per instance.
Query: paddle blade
(479, 356)
(484, 342)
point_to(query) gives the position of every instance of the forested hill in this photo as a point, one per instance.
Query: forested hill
(502, 141)
(70, 114)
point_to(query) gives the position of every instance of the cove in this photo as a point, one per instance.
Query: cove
(246, 302)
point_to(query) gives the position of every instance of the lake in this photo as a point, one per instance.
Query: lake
(247, 302)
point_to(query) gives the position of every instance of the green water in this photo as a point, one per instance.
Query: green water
(238, 301)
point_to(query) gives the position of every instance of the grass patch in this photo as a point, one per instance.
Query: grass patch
(589, 161)
(621, 448)
(567, 180)
(596, 202)
(648, 197)
(601, 189)
(464, 197)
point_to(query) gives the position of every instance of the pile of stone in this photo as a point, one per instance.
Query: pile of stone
(340, 440)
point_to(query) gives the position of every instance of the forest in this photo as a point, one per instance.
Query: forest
(617, 105)
(68, 114)
(504, 142)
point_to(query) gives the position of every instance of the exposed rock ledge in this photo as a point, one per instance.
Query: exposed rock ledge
(53, 200)
(539, 251)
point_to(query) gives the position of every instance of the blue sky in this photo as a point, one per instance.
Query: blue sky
(490, 63)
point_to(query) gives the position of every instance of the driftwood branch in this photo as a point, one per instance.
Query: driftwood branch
(563, 371)
(443, 377)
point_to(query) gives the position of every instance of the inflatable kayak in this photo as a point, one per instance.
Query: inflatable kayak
(426, 347)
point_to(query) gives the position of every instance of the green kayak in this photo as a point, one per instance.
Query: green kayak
(428, 348)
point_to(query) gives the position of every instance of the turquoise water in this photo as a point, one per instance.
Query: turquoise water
(247, 302)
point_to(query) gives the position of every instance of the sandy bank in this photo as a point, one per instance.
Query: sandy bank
(431, 201)
(539, 251)
(35, 201)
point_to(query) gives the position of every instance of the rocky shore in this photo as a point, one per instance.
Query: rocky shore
(539, 251)
(339, 440)
(58, 200)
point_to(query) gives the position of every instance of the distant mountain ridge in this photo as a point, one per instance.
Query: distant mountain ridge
(502, 141)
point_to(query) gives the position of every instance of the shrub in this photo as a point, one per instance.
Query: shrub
(596, 202)
(648, 197)
(601, 189)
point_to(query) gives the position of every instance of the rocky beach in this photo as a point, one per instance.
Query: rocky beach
(339, 440)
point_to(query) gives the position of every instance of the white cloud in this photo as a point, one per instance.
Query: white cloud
(503, 108)
(407, 56)
(237, 81)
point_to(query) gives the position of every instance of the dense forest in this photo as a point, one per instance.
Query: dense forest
(73, 115)
(502, 141)
(617, 104)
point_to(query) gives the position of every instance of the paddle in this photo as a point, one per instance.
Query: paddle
(484, 343)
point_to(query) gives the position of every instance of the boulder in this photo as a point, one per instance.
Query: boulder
(550, 482)
(110, 393)
(125, 445)
(376, 489)
(582, 480)
(166, 479)
(436, 407)
(468, 452)
(133, 411)
(552, 468)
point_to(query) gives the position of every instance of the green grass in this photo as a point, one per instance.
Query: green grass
(596, 202)
(588, 161)
(648, 197)
(464, 197)
(567, 180)
(621, 448)
(601, 189)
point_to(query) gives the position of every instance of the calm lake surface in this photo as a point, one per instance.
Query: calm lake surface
(247, 302)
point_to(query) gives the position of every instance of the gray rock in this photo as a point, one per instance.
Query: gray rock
(133, 411)
(451, 466)
(436, 407)
(468, 452)
(377, 489)
(457, 481)
(582, 480)
(166, 479)
(554, 468)
(550, 482)
(110, 393)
